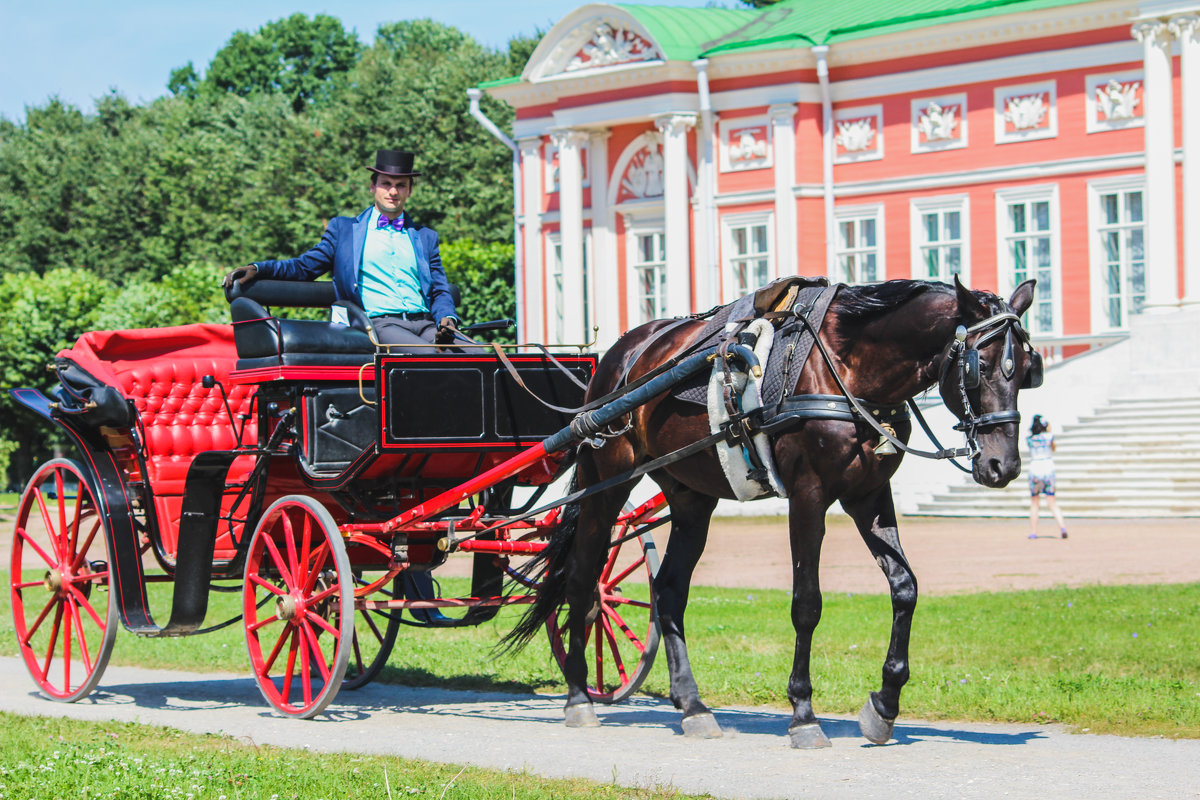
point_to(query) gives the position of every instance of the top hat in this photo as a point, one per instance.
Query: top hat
(393, 162)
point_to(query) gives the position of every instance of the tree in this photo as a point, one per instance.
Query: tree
(484, 273)
(296, 57)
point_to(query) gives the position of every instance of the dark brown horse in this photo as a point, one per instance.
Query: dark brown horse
(886, 343)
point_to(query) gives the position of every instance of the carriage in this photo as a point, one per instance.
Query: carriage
(297, 462)
(317, 473)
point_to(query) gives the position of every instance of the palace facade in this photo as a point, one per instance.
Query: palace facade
(671, 159)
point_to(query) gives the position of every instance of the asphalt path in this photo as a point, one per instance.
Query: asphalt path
(640, 742)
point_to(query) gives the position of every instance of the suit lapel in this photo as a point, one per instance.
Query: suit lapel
(359, 241)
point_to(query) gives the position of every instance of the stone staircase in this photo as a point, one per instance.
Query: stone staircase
(1130, 458)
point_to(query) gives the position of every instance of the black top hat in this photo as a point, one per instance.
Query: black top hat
(393, 162)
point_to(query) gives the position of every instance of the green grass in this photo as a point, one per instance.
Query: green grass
(42, 757)
(1113, 659)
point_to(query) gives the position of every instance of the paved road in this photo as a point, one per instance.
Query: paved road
(640, 742)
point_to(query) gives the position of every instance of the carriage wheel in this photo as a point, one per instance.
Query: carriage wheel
(65, 619)
(299, 644)
(374, 637)
(624, 637)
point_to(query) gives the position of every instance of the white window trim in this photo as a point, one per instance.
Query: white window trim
(1096, 189)
(875, 210)
(948, 202)
(1004, 280)
(637, 226)
(728, 223)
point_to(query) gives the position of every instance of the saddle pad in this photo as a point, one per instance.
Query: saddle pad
(812, 292)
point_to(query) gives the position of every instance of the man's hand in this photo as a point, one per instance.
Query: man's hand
(241, 275)
(447, 330)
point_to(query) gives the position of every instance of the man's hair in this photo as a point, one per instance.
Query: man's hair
(412, 179)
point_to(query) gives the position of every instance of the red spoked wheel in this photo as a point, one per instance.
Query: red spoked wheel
(623, 639)
(298, 606)
(65, 619)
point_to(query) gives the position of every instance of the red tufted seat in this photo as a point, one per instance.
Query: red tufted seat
(161, 371)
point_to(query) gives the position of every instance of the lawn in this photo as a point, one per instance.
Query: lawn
(1111, 659)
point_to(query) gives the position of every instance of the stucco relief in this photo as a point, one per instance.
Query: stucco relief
(939, 123)
(1028, 111)
(1115, 101)
(610, 46)
(745, 144)
(643, 176)
(859, 134)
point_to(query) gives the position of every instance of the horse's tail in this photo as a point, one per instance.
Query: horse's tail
(549, 569)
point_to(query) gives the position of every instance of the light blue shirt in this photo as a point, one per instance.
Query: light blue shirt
(389, 279)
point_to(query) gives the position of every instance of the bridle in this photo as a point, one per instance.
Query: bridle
(965, 359)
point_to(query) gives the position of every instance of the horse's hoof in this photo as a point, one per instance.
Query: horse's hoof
(581, 715)
(809, 737)
(875, 728)
(701, 726)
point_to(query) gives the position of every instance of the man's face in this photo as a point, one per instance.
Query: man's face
(391, 193)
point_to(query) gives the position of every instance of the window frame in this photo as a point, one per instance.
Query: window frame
(858, 213)
(646, 226)
(732, 222)
(1096, 256)
(1004, 268)
(918, 208)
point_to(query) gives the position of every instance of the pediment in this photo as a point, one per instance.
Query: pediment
(594, 38)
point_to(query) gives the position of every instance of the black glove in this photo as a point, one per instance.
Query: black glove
(447, 331)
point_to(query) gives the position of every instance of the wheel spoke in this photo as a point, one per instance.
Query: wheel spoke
(263, 583)
(611, 638)
(289, 541)
(321, 623)
(50, 530)
(53, 643)
(73, 536)
(625, 573)
(79, 637)
(305, 675)
(269, 661)
(293, 647)
(314, 647)
(37, 623)
(82, 552)
(316, 561)
(24, 536)
(611, 614)
(277, 559)
(322, 595)
(80, 600)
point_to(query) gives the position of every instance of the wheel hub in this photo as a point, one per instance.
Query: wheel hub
(53, 581)
(287, 608)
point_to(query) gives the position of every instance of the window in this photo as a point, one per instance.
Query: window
(747, 248)
(940, 238)
(859, 245)
(649, 276)
(557, 306)
(1029, 249)
(1119, 238)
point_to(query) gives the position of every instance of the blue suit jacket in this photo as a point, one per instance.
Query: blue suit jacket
(341, 249)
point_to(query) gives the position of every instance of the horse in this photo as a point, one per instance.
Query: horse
(880, 345)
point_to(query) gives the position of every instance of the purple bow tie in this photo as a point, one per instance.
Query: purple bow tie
(396, 224)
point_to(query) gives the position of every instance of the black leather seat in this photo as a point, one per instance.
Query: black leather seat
(263, 340)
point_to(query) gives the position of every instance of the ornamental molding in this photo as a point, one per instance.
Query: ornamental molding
(746, 143)
(858, 134)
(592, 40)
(939, 123)
(1026, 112)
(1115, 100)
(637, 177)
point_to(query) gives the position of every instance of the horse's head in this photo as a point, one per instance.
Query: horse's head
(983, 369)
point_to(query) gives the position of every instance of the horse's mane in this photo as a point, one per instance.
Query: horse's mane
(863, 303)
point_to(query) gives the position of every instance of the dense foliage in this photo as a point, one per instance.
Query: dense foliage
(129, 216)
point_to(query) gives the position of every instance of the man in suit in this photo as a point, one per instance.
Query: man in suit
(381, 260)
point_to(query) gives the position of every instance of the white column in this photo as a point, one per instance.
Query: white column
(533, 326)
(1162, 285)
(783, 137)
(1187, 30)
(570, 206)
(676, 205)
(603, 271)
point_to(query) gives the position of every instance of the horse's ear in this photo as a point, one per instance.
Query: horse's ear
(969, 306)
(1022, 297)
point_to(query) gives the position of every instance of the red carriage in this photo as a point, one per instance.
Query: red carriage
(300, 464)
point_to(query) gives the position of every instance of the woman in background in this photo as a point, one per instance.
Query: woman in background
(1041, 475)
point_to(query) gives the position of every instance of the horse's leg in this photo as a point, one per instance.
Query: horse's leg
(806, 526)
(691, 513)
(597, 514)
(875, 517)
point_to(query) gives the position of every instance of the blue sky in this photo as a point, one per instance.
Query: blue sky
(79, 49)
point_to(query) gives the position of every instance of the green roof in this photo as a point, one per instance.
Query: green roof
(804, 23)
(684, 33)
